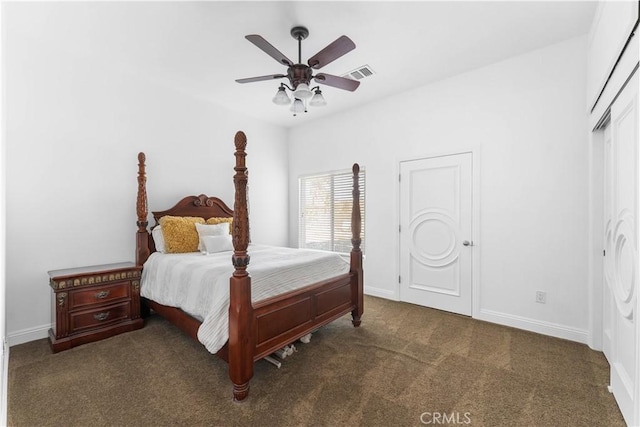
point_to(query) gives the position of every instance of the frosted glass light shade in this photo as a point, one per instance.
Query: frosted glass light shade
(302, 91)
(281, 97)
(318, 100)
(297, 106)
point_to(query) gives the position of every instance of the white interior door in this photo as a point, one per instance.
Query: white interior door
(621, 250)
(435, 232)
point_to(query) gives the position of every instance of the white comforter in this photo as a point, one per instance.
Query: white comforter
(199, 284)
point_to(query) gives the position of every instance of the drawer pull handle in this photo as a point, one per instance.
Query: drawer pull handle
(101, 316)
(102, 294)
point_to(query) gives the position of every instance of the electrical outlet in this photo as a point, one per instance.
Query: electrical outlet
(541, 297)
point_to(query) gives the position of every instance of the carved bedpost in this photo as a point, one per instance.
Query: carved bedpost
(241, 324)
(356, 253)
(142, 236)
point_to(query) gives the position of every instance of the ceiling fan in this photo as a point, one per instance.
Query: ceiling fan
(300, 75)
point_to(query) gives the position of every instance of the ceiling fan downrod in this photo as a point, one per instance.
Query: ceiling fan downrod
(299, 33)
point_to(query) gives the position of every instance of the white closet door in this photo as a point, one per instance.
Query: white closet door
(621, 251)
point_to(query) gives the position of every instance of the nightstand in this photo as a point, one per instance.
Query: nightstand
(92, 303)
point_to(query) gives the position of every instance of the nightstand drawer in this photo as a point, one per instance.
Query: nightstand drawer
(98, 317)
(98, 295)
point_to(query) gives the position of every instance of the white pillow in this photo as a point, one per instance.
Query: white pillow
(158, 238)
(211, 230)
(212, 244)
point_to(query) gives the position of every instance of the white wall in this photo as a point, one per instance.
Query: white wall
(4, 351)
(74, 128)
(526, 115)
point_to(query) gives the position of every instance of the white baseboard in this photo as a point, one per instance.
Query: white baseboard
(533, 325)
(381, 293)
(26, 335)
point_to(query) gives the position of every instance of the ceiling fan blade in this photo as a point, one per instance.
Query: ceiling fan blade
(261, 78)
(269, 49)
(335, 50)
(335, 81)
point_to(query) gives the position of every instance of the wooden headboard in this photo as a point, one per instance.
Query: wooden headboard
(201, 206)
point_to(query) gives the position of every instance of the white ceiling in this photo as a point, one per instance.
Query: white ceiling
(199, 47)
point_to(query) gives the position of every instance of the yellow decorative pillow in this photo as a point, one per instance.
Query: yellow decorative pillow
(180, 234)
(218, 220)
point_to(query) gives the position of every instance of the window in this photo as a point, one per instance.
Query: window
(325, 211)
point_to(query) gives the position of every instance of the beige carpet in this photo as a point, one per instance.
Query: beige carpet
(405, 366)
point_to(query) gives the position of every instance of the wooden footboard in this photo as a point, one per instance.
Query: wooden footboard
(283, 319)
(257, 330)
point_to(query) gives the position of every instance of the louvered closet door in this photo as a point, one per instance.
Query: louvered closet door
(621, 251)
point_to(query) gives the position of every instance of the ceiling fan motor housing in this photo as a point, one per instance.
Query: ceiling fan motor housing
(299, 73)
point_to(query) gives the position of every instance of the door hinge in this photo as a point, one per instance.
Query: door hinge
(399, 279)
(604, 252)
(399, 178)
(399, 228)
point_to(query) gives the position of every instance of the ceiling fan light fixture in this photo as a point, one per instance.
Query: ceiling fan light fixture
(302, 91)
(281, 97)
(318, 100)
(298, 106)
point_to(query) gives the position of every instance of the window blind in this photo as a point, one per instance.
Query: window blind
(325, 211)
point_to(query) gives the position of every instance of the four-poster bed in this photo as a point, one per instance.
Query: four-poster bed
(255, 328)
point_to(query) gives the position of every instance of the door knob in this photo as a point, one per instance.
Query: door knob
(467, 243)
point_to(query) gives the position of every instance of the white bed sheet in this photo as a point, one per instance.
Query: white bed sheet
(199, 284)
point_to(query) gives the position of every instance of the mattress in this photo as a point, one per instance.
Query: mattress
(199, 284)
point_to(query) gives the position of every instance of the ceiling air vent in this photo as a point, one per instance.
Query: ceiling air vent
(359, 73)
